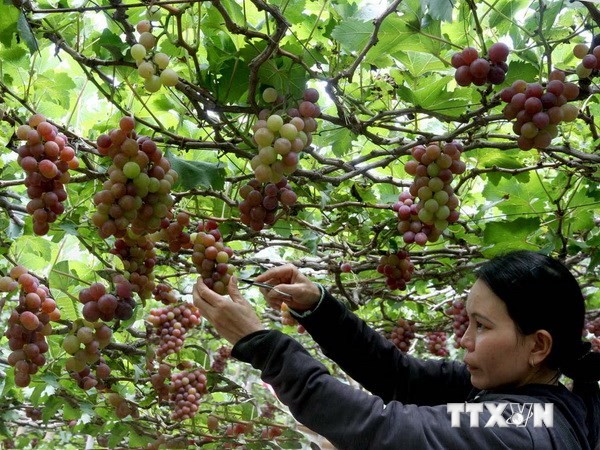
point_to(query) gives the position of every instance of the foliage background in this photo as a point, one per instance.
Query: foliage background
(386, 84)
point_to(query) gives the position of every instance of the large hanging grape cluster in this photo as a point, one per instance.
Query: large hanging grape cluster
(85, 364)
(28, 323)
(152, 65)
(261, 202)
(538, 110)
(280, 136)
(187, 389)
(137, 194)
(403, 333)
(436, 343)
(590, 59)
(460, 321)
(100, 304)
(139, 258)
(470, 68)
(46, 158)
(210, 256)
(398, 269)
(433, 167)
(170, 326)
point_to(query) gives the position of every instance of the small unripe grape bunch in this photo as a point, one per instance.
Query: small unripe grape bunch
(460, 321)
(139, 258)
(187, 389)
(471, 68)
(152, 65)
(429, 206)
(590, 60)
(158, 379)
(436, 343)
(173, 232)
(538, 110)
(28, 324)
(170, 326)
(403, 333)
(123, 408)
(220, 359)
(281, 135)
(398, 269)
(165, 294)
(46, 158)
(260, 202)
(136, 195)
(98, 304)
(210, 256)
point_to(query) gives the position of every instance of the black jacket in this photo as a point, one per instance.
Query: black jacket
(408, 408)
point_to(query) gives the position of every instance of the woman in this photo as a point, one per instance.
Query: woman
(526, 315)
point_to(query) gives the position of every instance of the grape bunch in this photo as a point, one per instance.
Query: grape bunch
(187, 389)
(210, 257)
(171, 323)
(46, 159)
(260, 202)
(165, 294)
(84, 343)
(436, 343)
(398, 269)
(590, 60)
(99, 304)
(271, 433)
(403, 333)
(596, 345)
(122, 407)
(470, 68)
(593, 327)
(460, 321)
(139, 258)
(281, 136)
(537, 110)
(220, 360)
(136, 195)
(158, 381)
(433, 168)
(28, 323)
(152, 65)
(173, 232)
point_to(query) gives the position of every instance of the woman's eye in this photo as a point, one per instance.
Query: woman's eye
(479, 325)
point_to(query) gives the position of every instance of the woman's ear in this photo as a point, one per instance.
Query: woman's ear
(541, 346)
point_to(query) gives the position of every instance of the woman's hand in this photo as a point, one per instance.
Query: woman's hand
(303, 293)
(233, 319)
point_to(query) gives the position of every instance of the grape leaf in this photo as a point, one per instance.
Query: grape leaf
(8, 24)
(440, 9)
(197, 173)
(26, 34)
(503, 236)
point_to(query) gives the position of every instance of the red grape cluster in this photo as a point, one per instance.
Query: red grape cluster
(403, 333)
(139, 258)
(398, 269)
(590, 60)
(537, 110)
(99, 304)
(187, 389)
(271, 433)
(122, 407)
(460, 321)
(46, 159)
(172, 232)
(170, 325)
(436, 343)
(220, 360)
(158, 381)
(261, 202)
(28, 323)
(165, 294)
(470, 68)
(210, 256)
(594, 327)
(280, 137)
(434, 168)
(596, 345)
(84, 343)
(152, 65)
(137, 193)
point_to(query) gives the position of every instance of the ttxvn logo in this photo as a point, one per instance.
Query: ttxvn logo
(518, 414)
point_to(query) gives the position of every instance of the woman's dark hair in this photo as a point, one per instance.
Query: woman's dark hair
(540, 293)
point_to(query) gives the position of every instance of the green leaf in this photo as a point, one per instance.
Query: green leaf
(440, 9)
(26, 34)
(109, 44)
(504, 236)
(117, 433)
(8, 23)
(197, 173)
(418, 63)
(353, 34)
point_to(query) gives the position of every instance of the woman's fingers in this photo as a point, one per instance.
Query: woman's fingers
(277, 275)
(203, 294)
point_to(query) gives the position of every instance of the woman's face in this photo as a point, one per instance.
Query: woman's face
(495, 356)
